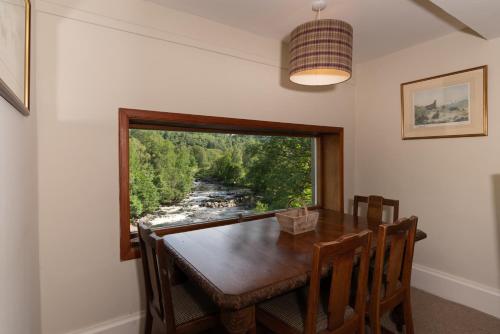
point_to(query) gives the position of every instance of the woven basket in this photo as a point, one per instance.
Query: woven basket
(296, 221)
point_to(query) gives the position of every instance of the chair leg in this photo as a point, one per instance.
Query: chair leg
(375, 325)
(361, 329)
(408, 313)
(149, 323)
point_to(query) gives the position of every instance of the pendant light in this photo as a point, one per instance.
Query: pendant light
(321, 50)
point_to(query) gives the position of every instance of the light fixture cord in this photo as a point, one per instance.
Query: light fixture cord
(318, 14)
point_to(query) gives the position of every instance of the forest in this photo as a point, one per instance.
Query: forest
(163, 166)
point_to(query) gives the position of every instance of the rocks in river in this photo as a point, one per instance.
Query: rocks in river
(226, 199)
(145, 219)
(229, 199)
(220, 204)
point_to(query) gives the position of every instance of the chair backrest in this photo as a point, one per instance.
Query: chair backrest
(376, 207)
(158, 292)
(395, 245)
(342, 253)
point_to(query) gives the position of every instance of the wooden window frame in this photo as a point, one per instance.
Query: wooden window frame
(329, 161)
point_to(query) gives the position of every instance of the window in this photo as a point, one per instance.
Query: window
(182, 172)
(184, 177)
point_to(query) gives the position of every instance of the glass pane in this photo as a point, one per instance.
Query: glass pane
(179, 178)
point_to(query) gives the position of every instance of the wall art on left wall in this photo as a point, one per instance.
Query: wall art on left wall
(15, 21)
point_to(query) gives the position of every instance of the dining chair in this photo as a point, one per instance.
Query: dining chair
(376, 207)
(327, 300)
(392, 272)
(180, 308)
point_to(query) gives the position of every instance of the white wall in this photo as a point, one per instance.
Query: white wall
(452, 185)
(19, 283)
(97, 56)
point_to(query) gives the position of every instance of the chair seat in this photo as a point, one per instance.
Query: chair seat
(292, 307)
(190, 303)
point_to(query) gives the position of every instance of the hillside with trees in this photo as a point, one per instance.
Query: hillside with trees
(164, 165)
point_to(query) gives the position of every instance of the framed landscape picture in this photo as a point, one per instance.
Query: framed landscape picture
(15, 18)
(449, 105)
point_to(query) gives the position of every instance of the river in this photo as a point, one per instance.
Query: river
(208, 201)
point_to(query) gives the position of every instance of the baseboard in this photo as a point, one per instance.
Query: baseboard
(457, 289)
(128, 324)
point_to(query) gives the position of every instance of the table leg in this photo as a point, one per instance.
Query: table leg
(239, 321)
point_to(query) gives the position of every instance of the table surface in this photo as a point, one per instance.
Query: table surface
(243, 264)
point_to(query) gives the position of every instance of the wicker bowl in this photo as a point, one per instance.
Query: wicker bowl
(296, 221)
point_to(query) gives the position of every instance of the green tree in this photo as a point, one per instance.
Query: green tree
(279, 170)
(185, 169)
(171, 169)
(162, 158)
(228, 169)
(144, 196)
(201, 156)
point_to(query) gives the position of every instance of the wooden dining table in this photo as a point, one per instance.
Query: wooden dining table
(243, 264)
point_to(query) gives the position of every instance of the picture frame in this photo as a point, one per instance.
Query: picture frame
(15, 35)
(449, 105)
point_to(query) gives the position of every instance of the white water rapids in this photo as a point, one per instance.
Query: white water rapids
(208, 201)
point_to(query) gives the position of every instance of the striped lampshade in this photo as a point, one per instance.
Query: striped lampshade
(321, 52)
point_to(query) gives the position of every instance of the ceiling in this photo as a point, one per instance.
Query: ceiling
(480, 15)
(380, 26)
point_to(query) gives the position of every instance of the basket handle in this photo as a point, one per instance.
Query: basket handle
(302, 202)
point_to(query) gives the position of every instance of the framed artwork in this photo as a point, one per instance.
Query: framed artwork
(15, 17)
(448, 105)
